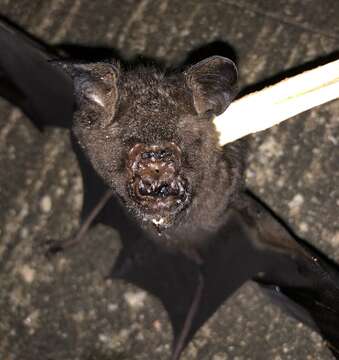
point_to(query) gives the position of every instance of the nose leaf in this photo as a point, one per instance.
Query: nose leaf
(155, 177)
(157, 181)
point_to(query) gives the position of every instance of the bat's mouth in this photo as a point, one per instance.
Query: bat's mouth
(156, 184)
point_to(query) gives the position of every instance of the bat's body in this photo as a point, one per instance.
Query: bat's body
(191, 233)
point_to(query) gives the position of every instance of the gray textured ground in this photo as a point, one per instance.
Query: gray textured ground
(63, 309)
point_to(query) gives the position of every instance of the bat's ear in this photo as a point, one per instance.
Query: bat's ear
(95, 87)
(212, 82)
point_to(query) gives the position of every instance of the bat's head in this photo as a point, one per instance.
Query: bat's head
(151, 138)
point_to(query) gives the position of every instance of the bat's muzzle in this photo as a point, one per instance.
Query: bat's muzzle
(154, 177)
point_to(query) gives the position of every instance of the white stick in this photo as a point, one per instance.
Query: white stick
(263, 109)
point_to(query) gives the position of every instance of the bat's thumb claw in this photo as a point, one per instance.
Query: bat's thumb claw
(50, 248)
(53, 250)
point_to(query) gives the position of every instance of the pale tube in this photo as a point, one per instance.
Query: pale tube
(263, 109)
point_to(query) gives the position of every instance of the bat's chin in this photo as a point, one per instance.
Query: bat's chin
(160, 207)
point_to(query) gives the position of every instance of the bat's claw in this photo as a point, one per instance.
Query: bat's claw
(50, 248)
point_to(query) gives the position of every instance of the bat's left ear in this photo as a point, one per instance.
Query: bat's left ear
(212, 82)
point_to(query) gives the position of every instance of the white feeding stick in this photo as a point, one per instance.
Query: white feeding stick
(263, 109)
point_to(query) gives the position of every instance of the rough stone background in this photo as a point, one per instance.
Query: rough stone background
(63, 308)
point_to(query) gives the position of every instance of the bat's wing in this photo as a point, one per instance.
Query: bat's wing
(229, 261)
(252, 245)
(171, 278)
(27, 79)
(299, 278)
(44, 92)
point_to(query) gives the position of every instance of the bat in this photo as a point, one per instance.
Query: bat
(152, 168)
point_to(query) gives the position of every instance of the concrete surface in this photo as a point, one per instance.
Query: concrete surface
(62, 308)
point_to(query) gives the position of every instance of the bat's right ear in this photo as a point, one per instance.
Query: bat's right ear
(105, 72)
(95, 87)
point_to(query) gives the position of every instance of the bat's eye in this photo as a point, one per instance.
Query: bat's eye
(209, 114)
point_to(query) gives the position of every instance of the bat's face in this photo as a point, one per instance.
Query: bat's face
(151, 137)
